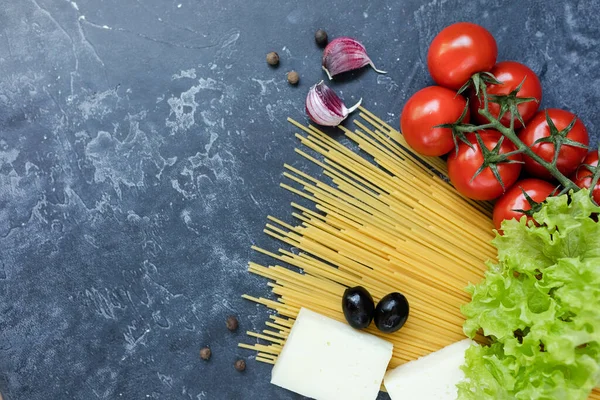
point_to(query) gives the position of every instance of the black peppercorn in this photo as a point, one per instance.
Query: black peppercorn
(232, 323)
(273, 58)
(240, 365)
(205, 353)
(293, 77)
(321, 37)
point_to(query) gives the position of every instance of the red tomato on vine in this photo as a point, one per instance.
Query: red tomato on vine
(423, 112)
(583, 176)
(511, 74)
(509, 205)
(574, 142)
(459, 51)
(465, 166)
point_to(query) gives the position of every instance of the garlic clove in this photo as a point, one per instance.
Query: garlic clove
(324, 106)
(345, 54)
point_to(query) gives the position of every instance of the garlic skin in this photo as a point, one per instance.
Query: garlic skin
(324, 107)
(345, 54)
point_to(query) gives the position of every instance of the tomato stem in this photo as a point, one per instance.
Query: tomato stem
(473, 128)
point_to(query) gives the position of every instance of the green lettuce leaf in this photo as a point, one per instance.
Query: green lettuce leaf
(540, 308)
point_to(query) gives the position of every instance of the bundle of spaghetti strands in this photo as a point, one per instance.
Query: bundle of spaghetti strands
(384, 219)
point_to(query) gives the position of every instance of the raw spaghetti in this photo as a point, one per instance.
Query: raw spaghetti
(386, 220)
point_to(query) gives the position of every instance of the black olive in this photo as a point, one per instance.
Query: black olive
(358, 307)
(391, 312)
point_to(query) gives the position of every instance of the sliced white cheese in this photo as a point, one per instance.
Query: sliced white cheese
(328, 360)
(433, 377)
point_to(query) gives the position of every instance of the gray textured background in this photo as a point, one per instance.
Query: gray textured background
(141, 146)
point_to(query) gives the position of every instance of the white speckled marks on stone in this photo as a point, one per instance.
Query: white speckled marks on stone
(295, 16)
(161, 320)
(165, 379)
(183, 110)
(188, 73)
(227, 44)
(98, 105)
(7, 156)
(387, 82)
(264, 85)
(202, 111)
(135, 334)
(270, 109)
(576, 33)
(182, 115)
(143, 303)
(186, 217)
(19, 190)
(287, 51)
(105, 303)
(103, 383)
(222, 307)
(205, 176)
(112, 158)
(274, 111)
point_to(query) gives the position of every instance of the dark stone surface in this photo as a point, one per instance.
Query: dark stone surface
(141, 146)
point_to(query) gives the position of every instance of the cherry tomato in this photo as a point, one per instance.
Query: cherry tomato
(511, 74)
(583, 176)
(569, 157)
(514, 199)
(429, 107)
(463, 165)
(459, 51)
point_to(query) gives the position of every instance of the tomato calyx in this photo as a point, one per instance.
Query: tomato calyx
(459, 128)
(510, 102)
(493, 157)
(534, 206)
(559, 138)
(594, 174)
(479, 82)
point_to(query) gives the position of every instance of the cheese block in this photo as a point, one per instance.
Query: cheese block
(328, 360)
(433, 377)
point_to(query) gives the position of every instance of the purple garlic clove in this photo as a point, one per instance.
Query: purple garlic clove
(324, 106)
(345, 54)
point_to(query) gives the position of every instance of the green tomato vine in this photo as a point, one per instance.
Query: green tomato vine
(509, 103)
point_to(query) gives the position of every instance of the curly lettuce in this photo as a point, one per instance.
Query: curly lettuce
(539, 306)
